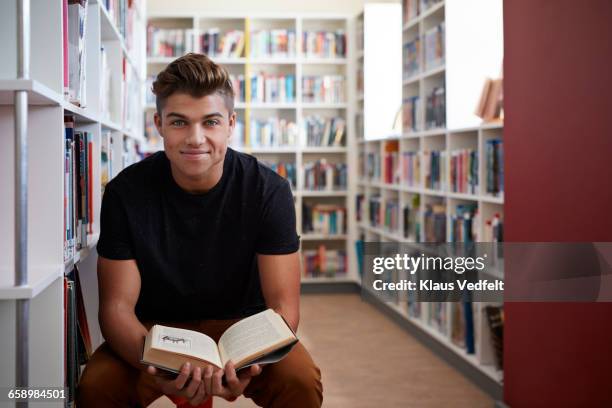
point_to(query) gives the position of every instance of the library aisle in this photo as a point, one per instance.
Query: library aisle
(368, 361)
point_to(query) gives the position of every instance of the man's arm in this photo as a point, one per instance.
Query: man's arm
(119, 287)
(280, 283)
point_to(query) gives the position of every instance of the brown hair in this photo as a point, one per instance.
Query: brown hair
(197, 76)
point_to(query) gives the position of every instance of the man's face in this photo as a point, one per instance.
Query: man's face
(195, 132)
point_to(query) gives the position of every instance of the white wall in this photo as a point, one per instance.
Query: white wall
(273, 6)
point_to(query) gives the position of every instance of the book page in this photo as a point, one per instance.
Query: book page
(186, 342)
(253, 336)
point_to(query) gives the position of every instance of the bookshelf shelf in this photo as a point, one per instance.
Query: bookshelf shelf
(322, 61)
(40, 277)
(52, 216)
(386, 184)
(324, 105)
(311, 149)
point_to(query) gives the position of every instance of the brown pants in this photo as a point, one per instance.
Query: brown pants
(108, 381)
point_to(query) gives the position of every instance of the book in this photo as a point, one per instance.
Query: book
(262, 338)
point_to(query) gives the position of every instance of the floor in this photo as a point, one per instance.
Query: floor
(368, 361)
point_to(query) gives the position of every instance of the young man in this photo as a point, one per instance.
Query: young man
(198, 236)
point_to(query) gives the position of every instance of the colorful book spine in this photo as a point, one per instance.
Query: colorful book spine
(495, 166)
(322, 175)
(276, 43)
(272, 88)
(464, 171)
(286, 170)
(412, 59)
(411, 109)
(272, 132)
(434, 45)
(323, 262)
(323, 89)
(435, 110)
(434, 168)
(435, 223)
(324, 131)
(411, 169)
(324, 44)
(323, 219)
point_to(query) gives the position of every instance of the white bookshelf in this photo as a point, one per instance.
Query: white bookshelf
(472, 134)
(44, 289)
(299, 65)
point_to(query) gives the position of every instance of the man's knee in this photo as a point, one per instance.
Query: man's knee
(306, 383)
(106, 381)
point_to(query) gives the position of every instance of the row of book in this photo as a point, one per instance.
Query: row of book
(106, 158)
(433, 47)
(122, 15)
(284, 169)
(372, 166)
(323, 89)
(321, 131)
(412, 58)
(326, 219)
(169, 42)
(435, 109)
(78, 187)
(411, 111)
(322, 175)
(272, 88)
(78, 347)
(275, 43)
(215, 44)
(391, 164)
(434, 169)
(464, 171)
(324, 262)
(324, 44)
(495, 166)
(411, 169)
(434, 223)
(413, 8)
(74, 13)
(271, 132)
(464, 223)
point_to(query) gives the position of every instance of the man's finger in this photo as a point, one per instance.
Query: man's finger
(183, 376)
(217, 387)
(194, 383)
(208, 374)
(151, 370)
(231, 379)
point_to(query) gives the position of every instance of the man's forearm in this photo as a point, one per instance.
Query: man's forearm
(124, 333)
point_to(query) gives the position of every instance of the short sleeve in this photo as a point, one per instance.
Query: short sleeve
(277, 232)
(115, 240)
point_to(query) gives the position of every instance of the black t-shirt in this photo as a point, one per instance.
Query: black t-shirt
(196, 253)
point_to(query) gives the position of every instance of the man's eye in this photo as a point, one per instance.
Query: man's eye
(211, 122)
(179, 123)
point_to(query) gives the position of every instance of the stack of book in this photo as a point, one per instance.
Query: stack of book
(372, 168)
(271, 88)
(322, 132)
(391, 166)
(271, 132)
(78, 187)
(324, 44)
(495, 166)
(163, 42)
(222, 45)
(434, 162)
(323, 89)
(435, 223)
(321, 175)
(464, 171)
(323, 262)
(411, 109)
(326, 219)
(465, 223)
(435, 112)
(411, 169)
(284, 169)
(239, 86)
(433, 50)
(412, 59)
(392, 215)
(375, 211)
(277, 43)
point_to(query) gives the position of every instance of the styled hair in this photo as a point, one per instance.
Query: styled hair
(195, 75)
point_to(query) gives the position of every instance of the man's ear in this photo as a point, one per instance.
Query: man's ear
(158, 123)
(232, 123)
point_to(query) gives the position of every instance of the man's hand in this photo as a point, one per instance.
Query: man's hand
(235, 383)
(194, 389)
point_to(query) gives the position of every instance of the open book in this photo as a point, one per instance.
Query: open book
(262, 338)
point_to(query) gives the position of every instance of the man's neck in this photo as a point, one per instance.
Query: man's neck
(200, 184)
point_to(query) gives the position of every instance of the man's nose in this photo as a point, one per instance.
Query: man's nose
(197, 135)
